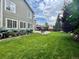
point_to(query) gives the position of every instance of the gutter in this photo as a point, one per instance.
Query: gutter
(29, 6)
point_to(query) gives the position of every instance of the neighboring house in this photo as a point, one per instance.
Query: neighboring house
(16, 14)
(50, 28)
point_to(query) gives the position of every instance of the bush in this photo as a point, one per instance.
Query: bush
(12, 33)
(76, 31)
(76, 34)
(22, 32)
(29, 31)
(1, 35)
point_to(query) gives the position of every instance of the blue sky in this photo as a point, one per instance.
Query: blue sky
(46, 10)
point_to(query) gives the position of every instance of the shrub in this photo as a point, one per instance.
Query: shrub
(12, 33)
(29, 31)
(1, 35)
(22, 32)
(76, 31)
(76, 34)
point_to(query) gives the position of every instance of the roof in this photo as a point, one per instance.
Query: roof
(28, 6)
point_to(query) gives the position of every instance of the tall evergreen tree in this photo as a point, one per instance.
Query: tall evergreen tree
(58, 25)
(71, 16)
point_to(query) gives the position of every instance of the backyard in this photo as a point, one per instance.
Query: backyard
(55, 45)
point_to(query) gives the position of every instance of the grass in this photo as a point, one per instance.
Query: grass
(55, 45)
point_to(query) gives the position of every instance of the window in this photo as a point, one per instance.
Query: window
(14, 24)
(9, 23)
(28, 25)
(28, 14)
(22, 25)
(31, 25)
(9, 5)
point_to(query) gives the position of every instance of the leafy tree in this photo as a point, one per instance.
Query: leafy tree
(71, 15)
(74, 20)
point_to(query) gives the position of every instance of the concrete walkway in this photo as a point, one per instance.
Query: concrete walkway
(46, 32)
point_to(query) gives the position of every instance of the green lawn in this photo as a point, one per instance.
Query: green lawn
(36, 46)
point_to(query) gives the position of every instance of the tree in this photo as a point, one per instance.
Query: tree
(74, 20)
(71, 16)
(46, 26)
(58, 25)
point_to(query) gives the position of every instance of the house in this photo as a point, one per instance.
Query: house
(15, 15)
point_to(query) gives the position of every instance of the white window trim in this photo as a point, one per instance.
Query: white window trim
(5, 5)
(12, 23)
(23, 22)
(1, 13)
(26, 24)
(31, 25)
(8, 10)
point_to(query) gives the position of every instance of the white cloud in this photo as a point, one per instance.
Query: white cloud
(46, 1)
(52, 20)
(41, 6)
(51, 9)
(39, 16)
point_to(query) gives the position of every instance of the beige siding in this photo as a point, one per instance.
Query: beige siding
(0, 13)
(21, 12)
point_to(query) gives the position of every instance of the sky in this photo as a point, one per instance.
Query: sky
(46, 10)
